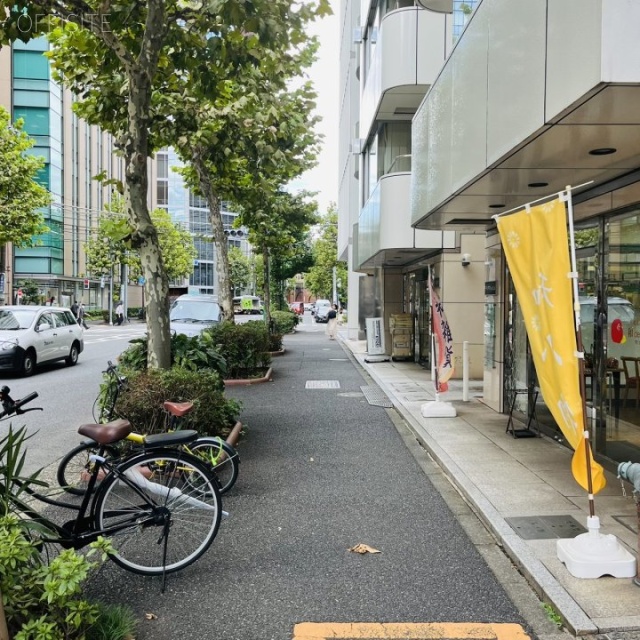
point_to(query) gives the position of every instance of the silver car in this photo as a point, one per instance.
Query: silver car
(190, 314)
(30, 336)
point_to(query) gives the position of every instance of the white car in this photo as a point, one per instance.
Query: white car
(190, 314)
(30, 336)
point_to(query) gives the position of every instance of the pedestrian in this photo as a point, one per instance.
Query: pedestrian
(332, 322)
(81, 315)
(119, 314)
(51, 302)
(74, 309)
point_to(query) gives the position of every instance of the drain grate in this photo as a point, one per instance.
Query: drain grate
(322, 384)
(545, 527)
(375, 397)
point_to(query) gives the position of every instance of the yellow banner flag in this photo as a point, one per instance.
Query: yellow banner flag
(536, 246)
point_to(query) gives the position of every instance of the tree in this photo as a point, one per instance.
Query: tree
(277, 228)
(319, 279)
(239, 271)
(21, 196)
(111, 245)
(127, 62)
(256, 137)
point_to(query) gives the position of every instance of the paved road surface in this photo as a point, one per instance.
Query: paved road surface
(322, 470)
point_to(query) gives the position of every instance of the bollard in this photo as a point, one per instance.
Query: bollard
(465, 371)
(630, 471)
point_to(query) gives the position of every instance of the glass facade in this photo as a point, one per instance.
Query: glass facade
(38, 102)
(608, 267)
(462, 10)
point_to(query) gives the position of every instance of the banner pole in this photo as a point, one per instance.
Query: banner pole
(580, 346)
(434, 366)
(495, 216)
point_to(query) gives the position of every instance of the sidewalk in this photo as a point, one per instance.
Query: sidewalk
(503, 477)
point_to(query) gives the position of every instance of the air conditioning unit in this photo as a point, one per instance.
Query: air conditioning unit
(357, 35)
(356, 145)
(373, 35)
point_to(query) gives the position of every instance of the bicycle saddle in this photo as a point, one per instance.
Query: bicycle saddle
(178, 409)
(108, 432)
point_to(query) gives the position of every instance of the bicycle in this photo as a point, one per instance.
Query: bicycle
(220, 457)
(140, 501)
(214, 451)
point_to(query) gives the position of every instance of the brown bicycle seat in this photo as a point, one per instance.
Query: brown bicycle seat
(178, 409)
(108, 432)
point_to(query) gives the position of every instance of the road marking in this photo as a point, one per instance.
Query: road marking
(408, 631)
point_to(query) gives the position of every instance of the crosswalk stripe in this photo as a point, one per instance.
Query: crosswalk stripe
(408, 631)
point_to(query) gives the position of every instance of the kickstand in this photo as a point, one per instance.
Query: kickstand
(165, 541)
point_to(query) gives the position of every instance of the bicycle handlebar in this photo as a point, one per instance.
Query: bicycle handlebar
(11, 406)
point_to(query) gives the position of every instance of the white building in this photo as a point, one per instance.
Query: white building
(531, 97)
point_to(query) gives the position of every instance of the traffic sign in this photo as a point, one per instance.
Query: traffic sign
(86, 283)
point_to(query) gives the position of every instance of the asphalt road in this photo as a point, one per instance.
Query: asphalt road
(66, 394)
(322, 471)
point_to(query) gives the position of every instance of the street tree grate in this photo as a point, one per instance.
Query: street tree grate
(376, 397)
(322, 384)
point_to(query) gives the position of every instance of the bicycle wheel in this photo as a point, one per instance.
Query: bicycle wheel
(220, 457)
(75, 468)
(156, 501)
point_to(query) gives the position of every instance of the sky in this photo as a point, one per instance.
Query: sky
(325, 76)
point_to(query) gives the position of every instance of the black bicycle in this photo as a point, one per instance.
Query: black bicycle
(75, 467)
(160, 508)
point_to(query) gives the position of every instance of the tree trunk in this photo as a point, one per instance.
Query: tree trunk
(3, 284)
(266, 286)
(4, 630)
(225, 297)
(136, 153)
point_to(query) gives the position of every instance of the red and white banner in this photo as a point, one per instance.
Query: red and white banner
(443, 342)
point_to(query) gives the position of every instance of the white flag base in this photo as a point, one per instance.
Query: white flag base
(592, 555)
(437, 409)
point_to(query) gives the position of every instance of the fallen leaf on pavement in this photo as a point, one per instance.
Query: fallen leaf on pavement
(364, 548)
(150, 616)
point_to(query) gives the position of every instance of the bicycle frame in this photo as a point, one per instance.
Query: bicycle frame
(78, 533)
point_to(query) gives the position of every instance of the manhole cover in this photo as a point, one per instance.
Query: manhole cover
(546, 527)
(322, 384)
(375, 397)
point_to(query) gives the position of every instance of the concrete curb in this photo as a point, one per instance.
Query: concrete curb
(237, 382)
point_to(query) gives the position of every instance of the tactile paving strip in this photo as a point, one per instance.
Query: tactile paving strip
(375, 397)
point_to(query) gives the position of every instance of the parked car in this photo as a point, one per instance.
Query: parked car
(190, 315)
(322, 309)
(31, 335)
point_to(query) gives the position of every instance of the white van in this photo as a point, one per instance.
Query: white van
(190, 315)
(322, 309)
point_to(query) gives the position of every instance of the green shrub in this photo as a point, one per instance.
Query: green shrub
(284, 321)
(41, 601)
(141, 402)
(196, 354)
(245, 347)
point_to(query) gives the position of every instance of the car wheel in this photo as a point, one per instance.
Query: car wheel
(28, 363)
(72, 358)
